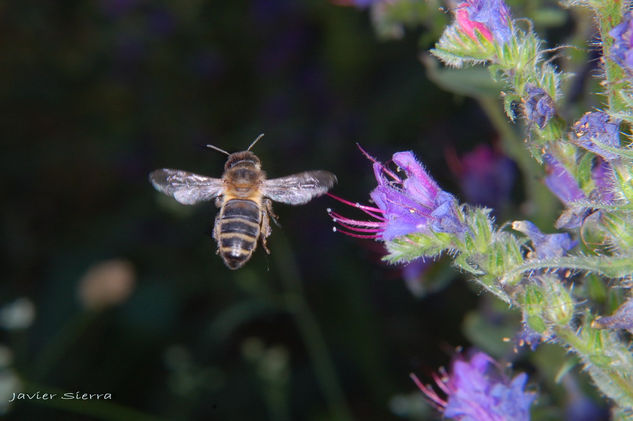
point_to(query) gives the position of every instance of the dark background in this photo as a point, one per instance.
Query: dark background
(96, 94)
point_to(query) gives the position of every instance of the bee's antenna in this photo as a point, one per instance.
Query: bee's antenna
(255, 141)
(218, 149)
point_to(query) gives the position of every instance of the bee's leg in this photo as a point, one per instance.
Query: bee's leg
(265, 228)
(268, 204)
(216, 232)
(219, 201)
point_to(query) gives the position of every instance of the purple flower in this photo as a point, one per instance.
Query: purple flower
(603, 177)
(491, 18)
(361, 4)
(580, 407)
(413, 271)
(539, 106)
(528, 337)
(403, 206)
(486, 176)
(413, 275)
(597, 128)
(621, 319)
(560, 181)
(622, 49)
(477, 390)
(545, 245)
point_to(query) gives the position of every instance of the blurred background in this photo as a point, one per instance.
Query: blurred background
(113, 288)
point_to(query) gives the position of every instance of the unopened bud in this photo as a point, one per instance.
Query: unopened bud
(559, 304)
(533, 308)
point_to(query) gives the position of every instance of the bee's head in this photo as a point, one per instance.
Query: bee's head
(244, 158)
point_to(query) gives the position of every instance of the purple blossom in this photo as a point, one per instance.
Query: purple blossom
(486, 176)
(361, 4)
(621, 319)
(539, 106)
(415, 269)
(597, 128)
(528, 337)
(414, 273)
(604, 179)
(580, 407)
(622, 49)
(545, 245)
(477, 390)
(560, 181)
(403, 206)
(491, 18)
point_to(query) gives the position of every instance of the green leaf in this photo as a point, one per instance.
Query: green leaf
(488, 336)
(549, 18)
(472, 81)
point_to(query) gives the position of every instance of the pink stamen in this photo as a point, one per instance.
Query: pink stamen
(373, 215)
(356, 205)
(369, 210)
(368, 156)
(375, 161)
(390, 174)
(441, 384)
(357, 229)
(340, 218)
(429, 392)
(351, 234)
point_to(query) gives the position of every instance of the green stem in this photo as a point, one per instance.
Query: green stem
(545, 209)
(609, 381)
(610, 266)
(609, 14)
(99, 409)
(309, 328)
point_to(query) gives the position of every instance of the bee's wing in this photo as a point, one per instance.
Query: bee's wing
(186, 187)
(298, 189)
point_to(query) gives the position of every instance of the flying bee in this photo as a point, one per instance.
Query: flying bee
(244, 197)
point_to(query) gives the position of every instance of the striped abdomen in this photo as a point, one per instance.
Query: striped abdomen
(238, 231)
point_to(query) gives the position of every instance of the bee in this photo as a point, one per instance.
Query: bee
(244, 196)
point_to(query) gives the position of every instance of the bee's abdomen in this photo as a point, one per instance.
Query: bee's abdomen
(238, 231)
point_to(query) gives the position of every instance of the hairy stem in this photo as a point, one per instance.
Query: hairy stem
(609, 380)
(609, 14)
(613, 267)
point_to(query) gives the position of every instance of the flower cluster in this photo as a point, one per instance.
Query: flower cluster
(604, 180)
(539, 106)
(486, 176)
(560, 181)
(545, 245)
(587, 166)
(622, 50)
(361, 4)
(491, 18)
(477, 390)
(595, 129)
(621, 319)
(415, 204)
